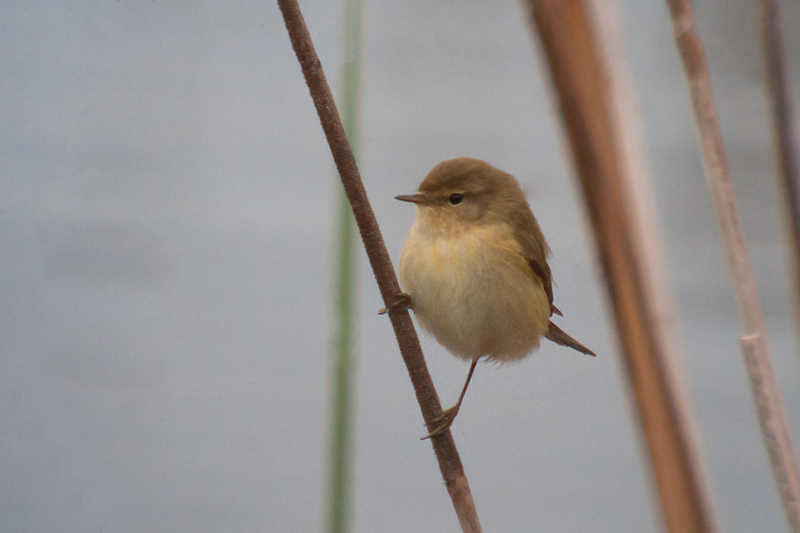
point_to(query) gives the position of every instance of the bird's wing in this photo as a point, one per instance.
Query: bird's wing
(535, 250)
(542, 271)
(534, 247)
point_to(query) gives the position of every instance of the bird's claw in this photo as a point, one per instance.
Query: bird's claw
(401, 303)
(443, 422)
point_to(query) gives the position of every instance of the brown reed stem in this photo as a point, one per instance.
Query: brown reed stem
(443, 445)
(770, 409)
(582, 84)
(784, 135)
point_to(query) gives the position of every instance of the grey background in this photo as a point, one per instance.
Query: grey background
(166, 224)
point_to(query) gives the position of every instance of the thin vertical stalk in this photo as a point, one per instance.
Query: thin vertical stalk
(784, 135)
(344, 364)
(592, 123)
(443, 445)
(770, 409)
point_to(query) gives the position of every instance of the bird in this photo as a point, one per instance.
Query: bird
(474, 269)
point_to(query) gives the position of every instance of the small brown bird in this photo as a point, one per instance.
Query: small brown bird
(474, 268)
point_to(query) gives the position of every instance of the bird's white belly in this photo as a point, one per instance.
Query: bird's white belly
(475, 295)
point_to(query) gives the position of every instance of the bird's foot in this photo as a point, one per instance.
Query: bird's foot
(444, 422)
(401, 303)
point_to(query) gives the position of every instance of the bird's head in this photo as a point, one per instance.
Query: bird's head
(459, 193)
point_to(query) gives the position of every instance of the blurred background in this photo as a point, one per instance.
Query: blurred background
(166, 227)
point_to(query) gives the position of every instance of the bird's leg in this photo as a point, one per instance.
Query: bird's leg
(401, 303)
(449, 415)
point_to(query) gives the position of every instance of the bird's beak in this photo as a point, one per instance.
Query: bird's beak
(419, 198)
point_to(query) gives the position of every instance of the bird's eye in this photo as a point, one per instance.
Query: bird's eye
(455, 198)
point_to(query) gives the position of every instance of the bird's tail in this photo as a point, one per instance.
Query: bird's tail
(557, 335)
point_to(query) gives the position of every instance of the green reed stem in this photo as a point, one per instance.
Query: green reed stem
(342, 400)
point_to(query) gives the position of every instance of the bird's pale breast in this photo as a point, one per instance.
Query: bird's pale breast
(475, 292)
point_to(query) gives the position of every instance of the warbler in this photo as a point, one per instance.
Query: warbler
(474, 269)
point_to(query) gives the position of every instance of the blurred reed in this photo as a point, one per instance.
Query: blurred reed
(612, 175)
(769, 406)
(784, 130)
(341, 430)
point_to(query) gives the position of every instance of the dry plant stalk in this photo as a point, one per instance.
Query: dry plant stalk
(582, 85)
(443, 445)
(784, 133)
(770, 409)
